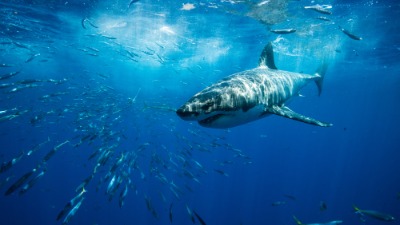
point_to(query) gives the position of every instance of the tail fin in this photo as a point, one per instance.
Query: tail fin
(321, 73)
(297, 221)
(359, 212)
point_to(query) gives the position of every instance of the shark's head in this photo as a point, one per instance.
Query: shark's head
(203, 107)
(218, 106)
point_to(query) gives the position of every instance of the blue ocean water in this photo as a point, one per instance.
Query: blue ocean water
(89, 89)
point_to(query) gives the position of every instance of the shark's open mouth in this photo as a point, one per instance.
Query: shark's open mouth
(210, 119)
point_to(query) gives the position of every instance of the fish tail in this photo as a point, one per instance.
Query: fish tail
(145, 106)
(320, 73)
(356, 209)
(297, 220)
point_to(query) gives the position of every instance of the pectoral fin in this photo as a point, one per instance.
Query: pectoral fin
(288, 113)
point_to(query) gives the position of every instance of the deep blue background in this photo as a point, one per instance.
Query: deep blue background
(179, 52)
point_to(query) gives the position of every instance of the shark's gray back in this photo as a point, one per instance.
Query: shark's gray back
(258, 86)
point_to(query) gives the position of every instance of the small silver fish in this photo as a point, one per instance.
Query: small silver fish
(350, 35)
(283, 31)
(374, 214)
(320, 9)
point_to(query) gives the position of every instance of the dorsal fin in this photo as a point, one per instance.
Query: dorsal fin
(267, 57)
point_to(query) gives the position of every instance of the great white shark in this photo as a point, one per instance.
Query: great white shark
(251, 95)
